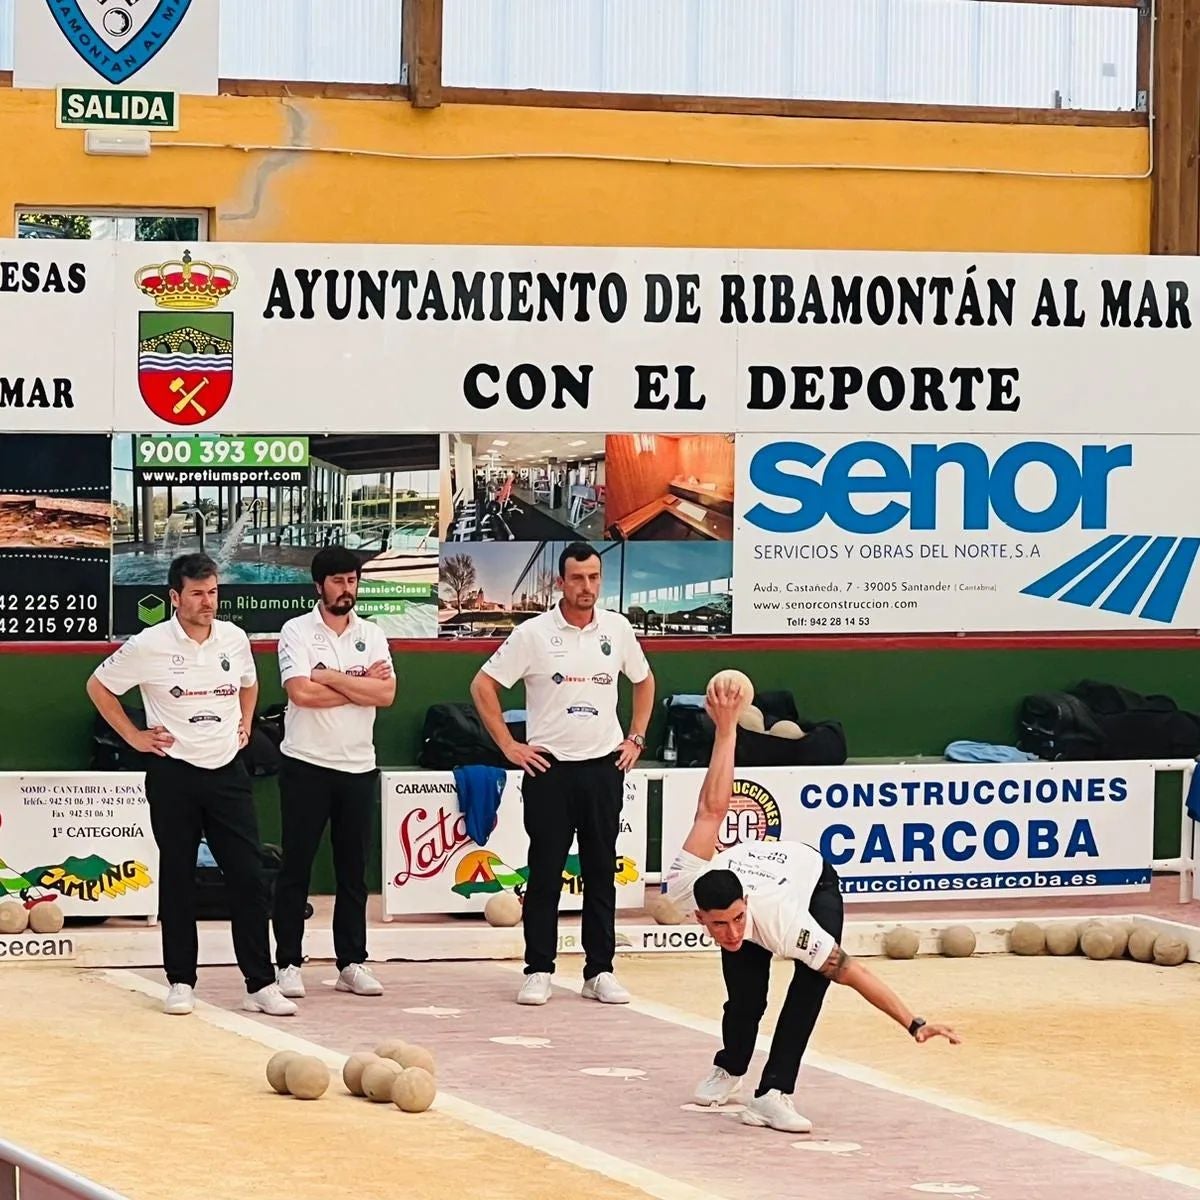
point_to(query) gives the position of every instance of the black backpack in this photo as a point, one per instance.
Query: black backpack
(691, 733)
(1137, 726)
(1105, 721)
(110, 751)
(1057, 726)
(454, 736)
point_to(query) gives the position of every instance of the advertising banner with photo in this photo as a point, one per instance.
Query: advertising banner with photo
(79, 840)
(658, 507)
(913, 534)
(55, 537)
(431, 865)
(262, 506)
(944, 832)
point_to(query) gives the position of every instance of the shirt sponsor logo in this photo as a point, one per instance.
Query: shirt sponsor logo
(558, 677)
(360, 645)
(802, 940)
(201, 717)
(582, 710)
(602, 679)
(224, 662)
(605, 645)
(177, 660)
(226, 689)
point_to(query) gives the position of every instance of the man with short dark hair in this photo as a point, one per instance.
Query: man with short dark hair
(574, 762)
(760, 899)
(337, 671)
(199, 687)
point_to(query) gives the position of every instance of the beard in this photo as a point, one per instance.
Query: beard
(341, 606)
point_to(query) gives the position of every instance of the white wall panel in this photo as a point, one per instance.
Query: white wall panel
(917, 51)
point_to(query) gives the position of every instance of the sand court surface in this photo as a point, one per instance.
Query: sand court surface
(1072, 1082)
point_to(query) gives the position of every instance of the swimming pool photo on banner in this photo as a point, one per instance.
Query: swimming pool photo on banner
(262, 507)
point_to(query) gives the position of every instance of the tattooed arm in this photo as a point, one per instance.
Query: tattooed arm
(841, 968)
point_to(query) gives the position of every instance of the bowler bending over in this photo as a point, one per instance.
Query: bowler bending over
(756, 900)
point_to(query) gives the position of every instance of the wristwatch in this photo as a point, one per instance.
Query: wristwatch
(637, 740)
(917, 1023)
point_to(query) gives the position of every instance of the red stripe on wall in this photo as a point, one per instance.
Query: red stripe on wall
(745, 645)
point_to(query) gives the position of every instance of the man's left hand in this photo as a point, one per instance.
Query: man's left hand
(630, 753)
(931, 1031)
(243, 736)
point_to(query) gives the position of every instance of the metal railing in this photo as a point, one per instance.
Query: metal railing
(27, 1176)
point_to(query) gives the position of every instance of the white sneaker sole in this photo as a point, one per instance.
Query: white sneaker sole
(179, 1012)
(591, 995)
(345, 987)
(750, 1117)
(293, 994)
(533, 1001)
(716, 1102)
(254, 1007)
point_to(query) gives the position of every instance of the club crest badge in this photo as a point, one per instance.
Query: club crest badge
(117, 38)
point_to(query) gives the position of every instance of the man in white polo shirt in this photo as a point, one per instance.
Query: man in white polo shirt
(337, 670)
(759, 899)
(574, 761)
(199, 687)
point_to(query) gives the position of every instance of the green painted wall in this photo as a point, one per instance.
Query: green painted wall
(892, 702)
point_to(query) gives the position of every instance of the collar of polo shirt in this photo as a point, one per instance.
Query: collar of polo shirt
(561, 621)
(318, 619)
(182, 635)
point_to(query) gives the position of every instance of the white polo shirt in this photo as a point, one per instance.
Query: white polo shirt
(343, 738)
(778, 879)
(189, 688)
(570, 677)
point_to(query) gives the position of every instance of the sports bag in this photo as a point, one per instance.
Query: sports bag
(455, 736)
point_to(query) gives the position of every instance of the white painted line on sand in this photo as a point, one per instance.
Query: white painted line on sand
(483, 1119)
(1071, 1139)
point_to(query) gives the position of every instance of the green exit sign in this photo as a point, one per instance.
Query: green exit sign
(116, 108)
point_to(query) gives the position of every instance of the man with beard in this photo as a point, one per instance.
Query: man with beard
(337, 670)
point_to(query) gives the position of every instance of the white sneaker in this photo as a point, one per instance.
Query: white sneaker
(269, 1000)
(605, 988)
(536, 988)
(358, 979)
(291, 983)
(181, 1000)
(718, 1087)
(774, 1110)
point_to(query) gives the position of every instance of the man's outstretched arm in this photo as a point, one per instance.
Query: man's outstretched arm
(723, 704)
(841, 968)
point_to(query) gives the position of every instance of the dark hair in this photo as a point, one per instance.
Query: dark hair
(190, 566)
(717, 890)
(334, 560)
(577, 552)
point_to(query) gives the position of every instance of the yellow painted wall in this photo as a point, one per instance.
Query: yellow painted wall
(314, 196)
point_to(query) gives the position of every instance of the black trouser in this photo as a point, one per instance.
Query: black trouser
(310, 797)
(186, 803)
(747, 973)
(572, 799)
